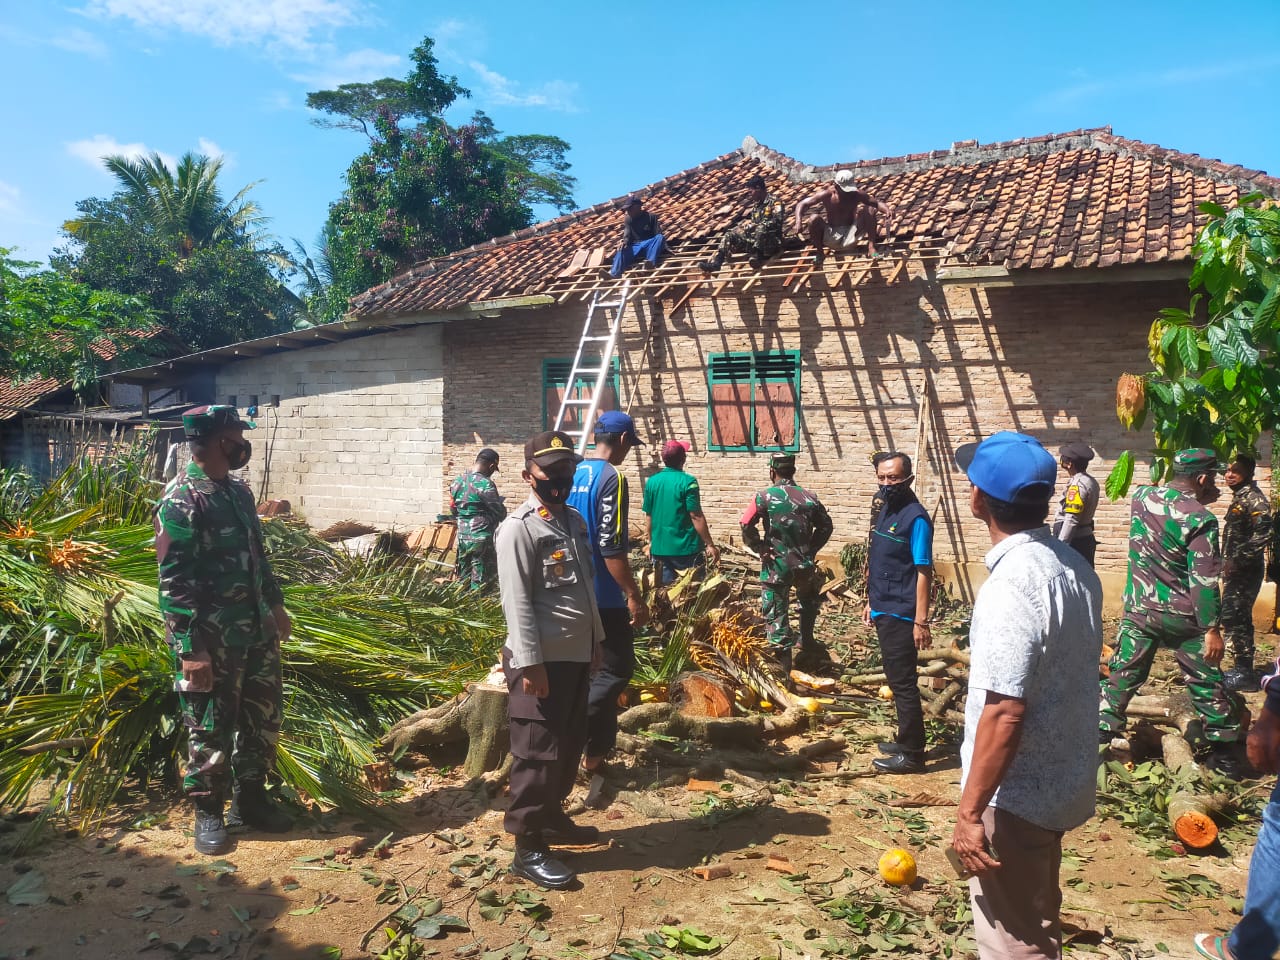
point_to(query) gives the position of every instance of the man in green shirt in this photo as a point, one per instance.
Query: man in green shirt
(678, 530)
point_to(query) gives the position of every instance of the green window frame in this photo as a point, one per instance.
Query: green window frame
(555, 380)
(753, 401)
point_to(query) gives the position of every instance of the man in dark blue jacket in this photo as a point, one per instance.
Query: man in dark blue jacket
(899, 580)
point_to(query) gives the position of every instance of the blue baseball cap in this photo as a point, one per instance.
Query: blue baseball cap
(615, 421)
(1009, 466)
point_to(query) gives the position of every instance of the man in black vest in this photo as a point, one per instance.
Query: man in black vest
(900, 577)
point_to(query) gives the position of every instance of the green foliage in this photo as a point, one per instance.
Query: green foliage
(425, 188)
(52, 326)
(83, 655)
(1215, 380)
(170, 239)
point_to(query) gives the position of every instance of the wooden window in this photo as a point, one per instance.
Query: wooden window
(754, 401)
(555, 381)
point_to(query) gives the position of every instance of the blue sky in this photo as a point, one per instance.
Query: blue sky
(640, 90)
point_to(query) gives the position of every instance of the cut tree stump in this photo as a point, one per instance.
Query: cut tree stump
(478, 717)
(700, 695)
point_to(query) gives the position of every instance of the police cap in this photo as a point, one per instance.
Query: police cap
(201, 422)
(1076, 450)
(549, 447)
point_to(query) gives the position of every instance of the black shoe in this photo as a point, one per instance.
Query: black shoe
(815, 658)
(1242, 680)
(755, 263)
(1224, 759)
(900, 763)
(1106, 736)
(536, 863)
(710, 266)
(564, 830)
(889, 748)
(210, 830)
(251, 807)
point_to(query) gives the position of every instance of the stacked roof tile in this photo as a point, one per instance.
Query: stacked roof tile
(1082, 199)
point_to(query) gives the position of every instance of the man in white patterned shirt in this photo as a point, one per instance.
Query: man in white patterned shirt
(1029, 755)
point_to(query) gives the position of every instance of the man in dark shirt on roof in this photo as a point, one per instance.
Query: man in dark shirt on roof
(641, 238)
(600, 494)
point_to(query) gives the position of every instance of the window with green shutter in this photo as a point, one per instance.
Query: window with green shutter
(754, 401)
(555, 381)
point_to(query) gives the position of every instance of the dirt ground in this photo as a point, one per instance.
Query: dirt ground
(329, 887)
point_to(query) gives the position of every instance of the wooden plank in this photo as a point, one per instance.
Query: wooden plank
(688, 295)
(902, 263)
(596, 258)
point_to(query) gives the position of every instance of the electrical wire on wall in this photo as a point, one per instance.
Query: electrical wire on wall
(268, 446)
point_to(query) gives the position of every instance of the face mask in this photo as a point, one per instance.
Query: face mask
(894, 492)
(552, 491)
(1208, 495)
(239, 455)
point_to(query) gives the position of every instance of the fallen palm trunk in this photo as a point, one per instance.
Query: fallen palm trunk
(1190, 814)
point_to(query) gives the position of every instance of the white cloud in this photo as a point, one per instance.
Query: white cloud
(10, 197)
(279, 100)
(283, 25)
(502, 91)
(93, 149)
(212, 150)
(78, 40)
(1089, 88)
(358, 66)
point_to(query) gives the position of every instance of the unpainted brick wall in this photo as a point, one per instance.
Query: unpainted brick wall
(358, 433)
(1041, 359)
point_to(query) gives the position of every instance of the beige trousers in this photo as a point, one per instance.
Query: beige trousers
(1016, 909)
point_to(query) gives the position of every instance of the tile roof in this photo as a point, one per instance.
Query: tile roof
(19, 395)
(1082, 199)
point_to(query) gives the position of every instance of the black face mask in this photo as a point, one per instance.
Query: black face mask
(239, 455)
(551, 491)
(894, 493)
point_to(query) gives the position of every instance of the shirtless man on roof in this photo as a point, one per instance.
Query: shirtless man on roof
(848, 215)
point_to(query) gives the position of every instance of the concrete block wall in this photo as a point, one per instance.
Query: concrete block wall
(1040, 359)
(358, 433)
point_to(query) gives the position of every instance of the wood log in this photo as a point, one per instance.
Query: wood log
(822, 748)
(700, 695)
(477, 717)
(938, 706)
(1191, 820)
(935, 669)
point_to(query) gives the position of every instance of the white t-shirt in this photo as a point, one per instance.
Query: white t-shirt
(1037, 635)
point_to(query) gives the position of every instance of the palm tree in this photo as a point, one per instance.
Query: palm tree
(185, 204)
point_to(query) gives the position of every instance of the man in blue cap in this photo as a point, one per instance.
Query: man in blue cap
(600, 494)
(1029, 758)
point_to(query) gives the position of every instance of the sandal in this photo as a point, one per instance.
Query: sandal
(1212, 946)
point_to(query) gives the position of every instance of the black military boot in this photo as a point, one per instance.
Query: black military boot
(210, 829)
(1242, 678)
(1225, 760)
(712, 265)
(563, 829)
(815, 658)
(251, 807)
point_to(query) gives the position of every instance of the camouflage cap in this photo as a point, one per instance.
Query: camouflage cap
(205, 421)
(1195, 460)
(782, 460)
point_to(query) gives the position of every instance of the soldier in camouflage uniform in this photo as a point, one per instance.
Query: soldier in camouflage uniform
(224, 620)
(1171, 599)
(795, 527)
(474, 501)
(1245, 534)
(760, 237)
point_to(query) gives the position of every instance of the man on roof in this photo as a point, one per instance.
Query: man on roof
(759, 237)
(848, 215)
(641, 237)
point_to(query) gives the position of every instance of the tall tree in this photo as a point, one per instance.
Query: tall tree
(54, 327)
(1216, 376)
(425, 187)
(170, 237)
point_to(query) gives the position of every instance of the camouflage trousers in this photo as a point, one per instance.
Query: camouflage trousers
(775, 601)
(757, 240)
(1220, 711)
(1239, 591)
(477, 562)
(233, 729)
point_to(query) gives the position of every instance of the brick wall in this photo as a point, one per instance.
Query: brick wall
(1040, 359)
(358, 430)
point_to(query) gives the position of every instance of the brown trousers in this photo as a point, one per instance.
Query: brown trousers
(1016, 909)
(547, 737)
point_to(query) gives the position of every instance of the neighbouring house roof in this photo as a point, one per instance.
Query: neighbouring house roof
(18, 396)
(1082, 199)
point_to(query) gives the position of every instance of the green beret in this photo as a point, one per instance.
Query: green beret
(1196, 460)
(201, 422)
